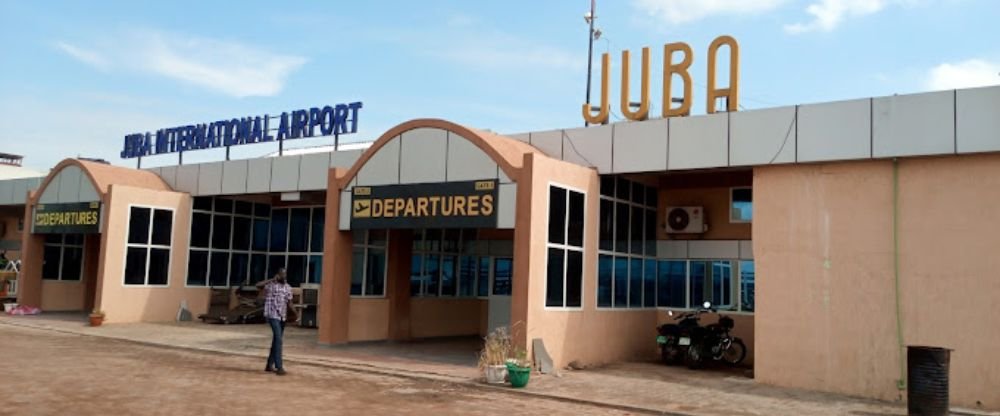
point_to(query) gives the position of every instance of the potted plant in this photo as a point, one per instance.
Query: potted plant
(519, 369)
(493, 358)
(96, 317)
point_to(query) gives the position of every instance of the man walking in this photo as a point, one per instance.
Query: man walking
(277, 301)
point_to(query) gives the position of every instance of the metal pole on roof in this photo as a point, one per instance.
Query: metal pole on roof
(590, 49)
(138, 162)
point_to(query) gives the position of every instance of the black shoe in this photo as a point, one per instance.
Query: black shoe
(269, 369)
(280, 372)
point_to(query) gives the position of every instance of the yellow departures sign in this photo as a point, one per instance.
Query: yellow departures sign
(669, 70)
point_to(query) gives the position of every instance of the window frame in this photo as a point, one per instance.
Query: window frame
(736, 285)
(365, 246)
(627, 253)
(62, 245)
(462, 250)
(566, 248)
(149, 246)
(732, 190)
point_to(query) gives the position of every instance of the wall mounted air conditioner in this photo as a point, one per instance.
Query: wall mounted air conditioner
(685, 220)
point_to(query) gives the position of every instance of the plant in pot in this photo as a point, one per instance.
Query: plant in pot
(493, 358)
(96, 317)
(519, 368)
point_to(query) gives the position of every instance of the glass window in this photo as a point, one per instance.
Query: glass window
(432, 267)
(50, 262)
(357, 271)
(650, 234)
(722, 284)
(296, 269)
(377, 238)
(555, 275)
(607, 225)
(221, 231)
(635, 283)
(135, 265)
(203, 203)
(416, 274)
(262, 210)
(224, 205)
(73, 239)
(636, 230)
(698, 271)
(159, 264)
(260, 234)
(621, 227)
(574, 278)
(315, 269)
(238, 267)
(467, 273)
(741, 209)
(671, 283)
(557, 215)
(483, 283)
(649, 283)
(605, 273)
(218, 274)
(201, 224)
(258, 268)
(621, 282)
(638, 193)
(72, 263)
(503, 275)
(747, 290)
(279, 230)
(244, 208)
(576, 226)
(298, 234)
(608, 186)
(318, 221)
(652, 197)
(163, 221)
(138, 225)
(241, 233)
(449, 243)
(432, 240)
(275, 262)
(622, 189)
(448, 276)
(197, 273)
(375, 273)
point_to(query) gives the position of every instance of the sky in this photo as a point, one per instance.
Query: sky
(76, 77)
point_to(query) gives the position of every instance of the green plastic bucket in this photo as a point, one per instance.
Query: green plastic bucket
(518, 376)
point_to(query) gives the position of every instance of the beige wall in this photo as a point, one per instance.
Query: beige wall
(62, 295)
(587, 335)
(826, 294)
(444, 317)
(369, 319)
(715, 200)
(122, 303)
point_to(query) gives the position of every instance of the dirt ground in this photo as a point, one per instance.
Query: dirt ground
(47, 373)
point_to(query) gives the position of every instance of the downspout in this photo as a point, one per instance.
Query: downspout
(901, 382)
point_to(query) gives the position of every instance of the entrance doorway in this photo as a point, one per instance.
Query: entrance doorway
(501, 277)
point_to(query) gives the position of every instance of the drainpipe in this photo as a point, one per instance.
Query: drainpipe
(901, 382)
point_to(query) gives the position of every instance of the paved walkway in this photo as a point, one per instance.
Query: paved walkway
(636, 387)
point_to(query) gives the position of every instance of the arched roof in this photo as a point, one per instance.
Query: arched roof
(102, 176)
(508, 153)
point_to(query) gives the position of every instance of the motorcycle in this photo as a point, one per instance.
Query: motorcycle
(696, 343)
(675, 339)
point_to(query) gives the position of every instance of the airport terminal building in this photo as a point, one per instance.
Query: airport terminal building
(869, 224)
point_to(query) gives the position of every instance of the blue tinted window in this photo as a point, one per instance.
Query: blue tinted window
(671, 283)
(605, 273)
(621, 282)
(747, 283)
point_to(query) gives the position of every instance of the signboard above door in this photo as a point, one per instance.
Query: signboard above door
(72, 218)
(469, 204)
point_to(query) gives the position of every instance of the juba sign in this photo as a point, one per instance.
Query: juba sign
(72, 218)
(469, 204)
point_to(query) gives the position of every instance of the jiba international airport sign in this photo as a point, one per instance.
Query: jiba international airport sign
(315, 122)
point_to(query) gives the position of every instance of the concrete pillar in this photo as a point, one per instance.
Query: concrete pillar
(29, 289)
(335, 290)
(523, 254)
(400, 256)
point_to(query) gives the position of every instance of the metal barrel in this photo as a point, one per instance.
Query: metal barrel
(927, 380)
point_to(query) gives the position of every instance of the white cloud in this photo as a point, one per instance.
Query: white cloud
(227, 67)
(683, 11)
(966, 74)
(88, 57)
(828, 14)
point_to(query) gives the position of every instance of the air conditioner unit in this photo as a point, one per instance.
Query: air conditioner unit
(685, 220)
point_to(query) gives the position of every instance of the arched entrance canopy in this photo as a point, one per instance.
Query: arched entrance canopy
(74, 180)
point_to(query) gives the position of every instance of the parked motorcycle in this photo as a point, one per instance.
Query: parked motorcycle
(696, 344)
(675, 339)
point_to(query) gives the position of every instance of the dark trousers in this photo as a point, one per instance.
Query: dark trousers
(277, 330)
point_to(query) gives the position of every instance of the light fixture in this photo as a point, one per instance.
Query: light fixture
(587, 17)
(597, 34)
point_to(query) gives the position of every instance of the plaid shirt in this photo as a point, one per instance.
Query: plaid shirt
(276, 297)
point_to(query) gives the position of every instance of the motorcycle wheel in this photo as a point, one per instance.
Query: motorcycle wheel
(736, 352)
(694, 357)
(669, 356)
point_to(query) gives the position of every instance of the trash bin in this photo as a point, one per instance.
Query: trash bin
(927, 380)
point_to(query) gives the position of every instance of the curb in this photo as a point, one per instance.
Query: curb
(366, 369)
